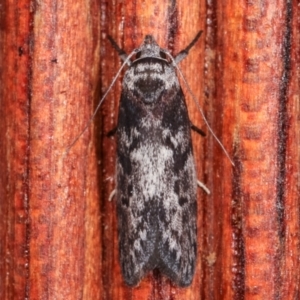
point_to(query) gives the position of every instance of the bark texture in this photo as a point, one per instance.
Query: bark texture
(58, 240)
(49, 205)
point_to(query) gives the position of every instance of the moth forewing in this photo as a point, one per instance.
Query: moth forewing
(156, 179)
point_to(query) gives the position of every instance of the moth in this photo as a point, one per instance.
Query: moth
(156, 183)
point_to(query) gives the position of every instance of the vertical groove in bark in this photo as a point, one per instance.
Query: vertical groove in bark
(282, 142)
(238, 239)
(211, 208)
(282, 120)
(289, 268)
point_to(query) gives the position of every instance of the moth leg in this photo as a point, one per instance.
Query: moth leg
(198, 130)
(123, 55)
(112, 195)
(199, 183)
(183, 53)
(203, 186)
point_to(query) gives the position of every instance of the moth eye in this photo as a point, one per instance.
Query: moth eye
(162, 55)
(138, 55)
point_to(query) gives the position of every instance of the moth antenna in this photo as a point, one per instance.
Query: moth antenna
(197, 104)
(123, 55)
(183, 53)
(101, 101)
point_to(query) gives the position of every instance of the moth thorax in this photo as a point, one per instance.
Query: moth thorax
(149, 90)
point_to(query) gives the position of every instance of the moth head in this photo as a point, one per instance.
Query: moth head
(150, 48)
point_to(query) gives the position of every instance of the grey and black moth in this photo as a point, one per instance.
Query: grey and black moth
(156, 188)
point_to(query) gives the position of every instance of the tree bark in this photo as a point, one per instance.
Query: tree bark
(49, 204)
(256, 87)
(244, 71)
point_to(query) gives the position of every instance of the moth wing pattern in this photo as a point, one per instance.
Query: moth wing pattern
(156, 179)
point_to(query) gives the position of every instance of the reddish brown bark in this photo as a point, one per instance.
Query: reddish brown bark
(256, 87)
(14, 153)
(49, 205)
(245, 72)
